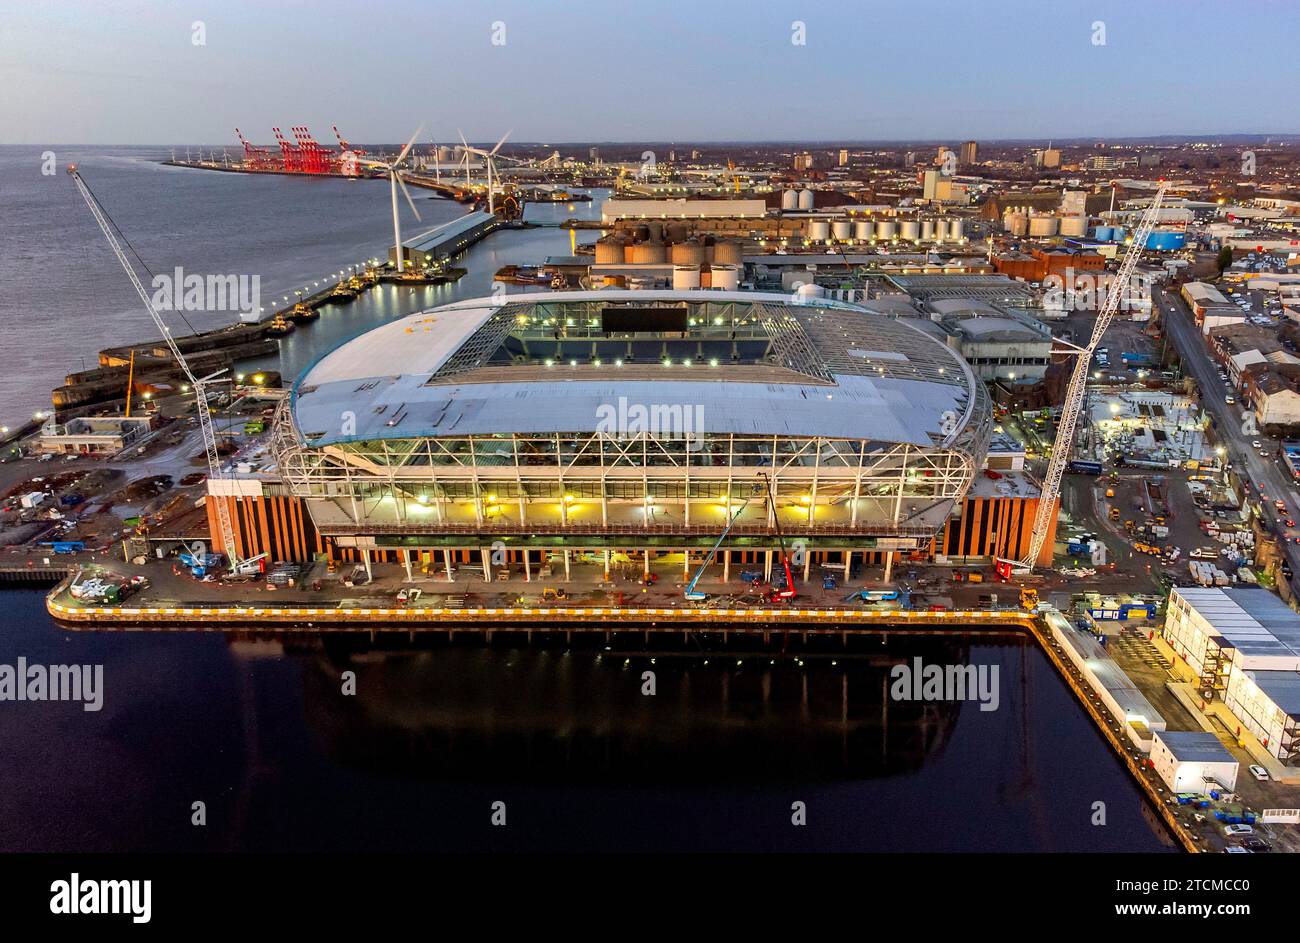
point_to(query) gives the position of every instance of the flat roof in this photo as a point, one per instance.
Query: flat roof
(1253, 621)
(1281, 687)
(1198, 746)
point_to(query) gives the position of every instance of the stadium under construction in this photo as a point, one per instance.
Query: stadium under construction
(536, 430)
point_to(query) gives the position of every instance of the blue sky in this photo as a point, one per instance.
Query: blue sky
(119, 72)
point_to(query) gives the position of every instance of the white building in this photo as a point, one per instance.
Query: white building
(1193, 761)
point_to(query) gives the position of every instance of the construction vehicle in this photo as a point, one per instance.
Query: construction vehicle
(198, 384)
(551, 592)
(691, 595)
(1028, 598)
(784, 593)
(1076, 389)
(1114, 515)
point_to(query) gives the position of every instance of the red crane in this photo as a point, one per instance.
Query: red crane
(291, 153)
(788, 593)
(258, 158)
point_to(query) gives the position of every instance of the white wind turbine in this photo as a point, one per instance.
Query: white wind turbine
(491, 164)
(395, 181)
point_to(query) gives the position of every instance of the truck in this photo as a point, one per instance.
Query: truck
(1083, 467)
(1131, 359)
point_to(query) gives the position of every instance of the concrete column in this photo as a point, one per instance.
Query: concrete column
(606, 566)
(406, 562)
(807, 565)
(487, 564)
(767, 565)
(645, 564)
(528, 566)
(566, 566)
(889, 565)
(686, 564)
(365, 558)
(446, 565)
(848, 565)
(726, 566)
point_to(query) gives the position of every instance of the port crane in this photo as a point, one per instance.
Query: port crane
(785, 595)
(199, 384)
(1075, 392)
(691, 595)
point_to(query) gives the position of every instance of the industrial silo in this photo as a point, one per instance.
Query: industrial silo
(842, 229)
(806, 199)
(956, 229)
(724, 277)
(1074, 226)
(789, 199)
(819, 230)
(728, 252)
(927, 230)
(654, 230)
(647, 253)
(910, 230)
(609, 251)
(1042, 225)
(687, 252)
(1017, 223)
(686, 277)
(885, 229)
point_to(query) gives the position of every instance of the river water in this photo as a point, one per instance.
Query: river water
(263, 736)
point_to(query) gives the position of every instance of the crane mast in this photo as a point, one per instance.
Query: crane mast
(199, 384)
(1074, 395)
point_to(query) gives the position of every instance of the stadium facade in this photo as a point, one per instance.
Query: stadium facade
(633, 424)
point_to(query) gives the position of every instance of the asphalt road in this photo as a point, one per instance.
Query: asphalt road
(1267, 473)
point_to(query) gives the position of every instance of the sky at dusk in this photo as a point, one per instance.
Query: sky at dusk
(119, 72)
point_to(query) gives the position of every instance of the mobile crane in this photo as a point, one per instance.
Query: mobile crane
(199, 385)
(786, 593)
(691, 595)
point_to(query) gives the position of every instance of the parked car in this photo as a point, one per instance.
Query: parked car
(1241, 829)
(1259, 772)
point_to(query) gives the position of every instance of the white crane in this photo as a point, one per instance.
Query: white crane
(488, 158)
(394, 181)
(199, 385)
(1074, 394)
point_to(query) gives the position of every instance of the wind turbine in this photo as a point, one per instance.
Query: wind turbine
(395, 181)
(491, 164)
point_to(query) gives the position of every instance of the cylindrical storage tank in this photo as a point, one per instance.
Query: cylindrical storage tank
(806, 199)
(609, 251)
(728, 252)
(654, 231)
(911, 230)
(677, 232)
(842, 230)
(927, 230)
(956, 228)
(688, 252)
(885, 229)
(686, 277)
(1074, 226)
(789, 199)
(863, 230)
(1018, 224)
(1163, 240)
(819, 230)
(1043, 224)
(807, 291)
(725, 277)
(647, 253)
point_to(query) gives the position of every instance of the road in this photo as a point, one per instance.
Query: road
(1267, 473)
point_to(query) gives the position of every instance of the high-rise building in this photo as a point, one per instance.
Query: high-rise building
(1048, 157)
(844, 156)
(909, 159)
(803, 161)
(594, 154)
(967, 155)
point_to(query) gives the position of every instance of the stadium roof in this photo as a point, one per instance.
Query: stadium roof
(835, 371)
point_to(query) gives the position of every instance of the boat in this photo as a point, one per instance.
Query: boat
(278, 326)
(342, 292)
(303, 312)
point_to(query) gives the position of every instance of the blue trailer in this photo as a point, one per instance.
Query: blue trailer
(1136, 360)
(1081, 467)
(66, 546)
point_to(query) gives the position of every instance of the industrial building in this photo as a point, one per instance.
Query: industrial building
(998, 345)
(1193, 761)
(1245, 647)
(93, 435)
(627, 425)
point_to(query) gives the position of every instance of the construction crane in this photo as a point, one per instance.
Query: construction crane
(1074, 394)
(691, 595)
(199, 385)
